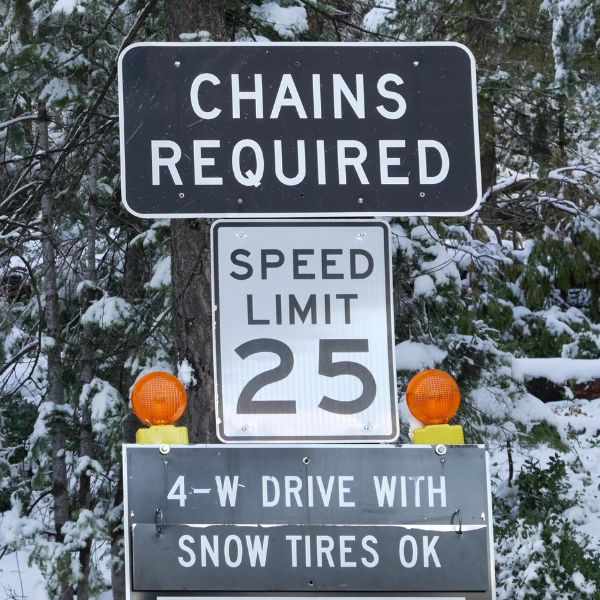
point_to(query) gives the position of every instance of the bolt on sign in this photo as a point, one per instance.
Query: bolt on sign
(303, 331)
(297, 129)
(231, 519)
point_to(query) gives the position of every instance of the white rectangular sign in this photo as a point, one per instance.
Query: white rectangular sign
(303, 331)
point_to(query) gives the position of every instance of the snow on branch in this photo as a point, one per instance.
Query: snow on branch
(557, 370)
(520, 181)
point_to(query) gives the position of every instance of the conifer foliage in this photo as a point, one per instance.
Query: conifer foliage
(507, 300)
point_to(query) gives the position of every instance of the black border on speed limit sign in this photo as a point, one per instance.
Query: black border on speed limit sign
(303, 340)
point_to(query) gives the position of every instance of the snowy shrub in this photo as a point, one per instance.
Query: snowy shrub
(541, 554)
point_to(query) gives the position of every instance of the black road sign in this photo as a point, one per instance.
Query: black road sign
(312, 519)
(296, 129)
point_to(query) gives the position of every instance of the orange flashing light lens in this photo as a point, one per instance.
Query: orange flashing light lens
(159, 398)
(433, 397)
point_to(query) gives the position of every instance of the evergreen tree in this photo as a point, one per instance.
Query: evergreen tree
(91, 298)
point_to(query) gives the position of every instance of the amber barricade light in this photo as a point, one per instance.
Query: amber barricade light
(433, 397)
(159, 400)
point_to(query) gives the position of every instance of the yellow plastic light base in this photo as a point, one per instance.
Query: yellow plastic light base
(439, 434)
(162, 434)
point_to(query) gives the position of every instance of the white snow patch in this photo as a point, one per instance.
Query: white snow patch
(530, 410)
(287, 21)
(587, 587)
(107, 312)
(558, 370)
(14, 526)
(57, 90)
(68, 6)
(424, 287)
(443, 268)
(195, 36)
(401, 240)
(414, 356)
(104, 402)
(162, 273)
(407, 417)
(378, 15)
(519, 312)
(422, 234)
(185, 372)
(256, 39)
(19, 580)
(487, 401)
(47, 343)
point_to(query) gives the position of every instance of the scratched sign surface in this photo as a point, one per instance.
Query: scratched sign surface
(205, 519)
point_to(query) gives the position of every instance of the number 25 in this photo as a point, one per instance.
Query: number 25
(327, 367)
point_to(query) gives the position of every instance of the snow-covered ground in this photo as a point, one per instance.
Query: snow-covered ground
(578, 423)
(18, 580)
(21, 581)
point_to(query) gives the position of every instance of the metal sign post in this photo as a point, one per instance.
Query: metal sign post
(298, 129)
(303, 331)
(322, 520)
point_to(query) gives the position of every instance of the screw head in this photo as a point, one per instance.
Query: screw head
(441, 450)
(164, 449)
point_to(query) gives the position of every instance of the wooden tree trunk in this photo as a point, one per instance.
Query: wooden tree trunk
(480, 37)
(117, 568)
(88, 368)
(56, 392)
(190, 269)
(190, 251)
(133, 292)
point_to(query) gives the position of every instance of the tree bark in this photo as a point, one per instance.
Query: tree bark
(479, 35)
(190, 269)
(117, 567)
(133, 292)
(487, 138)
(88, 368)
(56, 393)
(190, 251)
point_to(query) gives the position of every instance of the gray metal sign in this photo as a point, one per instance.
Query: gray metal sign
(314, 519)
(303, 331)
(298, 129)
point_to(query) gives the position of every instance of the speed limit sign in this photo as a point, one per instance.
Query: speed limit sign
(303, 324)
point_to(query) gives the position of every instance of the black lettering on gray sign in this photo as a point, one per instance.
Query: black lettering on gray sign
(327, 262)
(246, 404)
(299, 262)
(354, 274)
(309, 308)
(266, 264)
(240, 263)
(329, 368)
